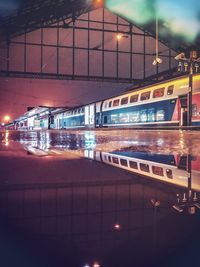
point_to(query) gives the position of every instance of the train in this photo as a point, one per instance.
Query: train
(161, 104)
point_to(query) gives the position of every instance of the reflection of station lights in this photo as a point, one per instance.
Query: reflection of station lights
(183, 66)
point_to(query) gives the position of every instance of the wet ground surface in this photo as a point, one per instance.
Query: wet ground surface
(73, 198)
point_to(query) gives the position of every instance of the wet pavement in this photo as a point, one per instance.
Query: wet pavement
(99, 198)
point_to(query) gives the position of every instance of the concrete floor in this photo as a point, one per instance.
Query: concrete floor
(60, 209)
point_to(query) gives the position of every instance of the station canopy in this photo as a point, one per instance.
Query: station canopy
(179, 21)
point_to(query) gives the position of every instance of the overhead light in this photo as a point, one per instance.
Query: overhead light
(181, 56)
(119, 36)
(157, 60)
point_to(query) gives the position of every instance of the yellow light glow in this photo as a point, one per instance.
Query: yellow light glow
(119, 36)
(7, 139)
(6, 118)
(98, 3)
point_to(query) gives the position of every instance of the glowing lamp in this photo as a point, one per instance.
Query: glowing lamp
(119, 36)
(6, 118)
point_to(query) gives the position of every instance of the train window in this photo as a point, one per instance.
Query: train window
(144, 167)
(143, 115)
(110, 104)
(133, 164)
(134, 116)
(124, 101)
(160, 115)
(158, 92)
(151, 114)
(124, 117)
(124, 162)
(115, 160)
(115, 103)
(109, 158)
(106, 105)
(114, 118)
(134, 98)
(170, 89)
(157, 170)
(145, 96)
(169, 173)
(194, 110)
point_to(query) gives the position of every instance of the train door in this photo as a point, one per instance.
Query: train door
(183, 111)
(90, 115)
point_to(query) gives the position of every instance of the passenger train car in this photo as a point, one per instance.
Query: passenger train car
(170, 169)
(161, 104)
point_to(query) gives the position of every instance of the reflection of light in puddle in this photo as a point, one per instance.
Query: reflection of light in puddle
(117, 226)
(90, 141)
(160, 141)
(6, 138)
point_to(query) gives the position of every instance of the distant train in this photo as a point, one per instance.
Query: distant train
(162, 104)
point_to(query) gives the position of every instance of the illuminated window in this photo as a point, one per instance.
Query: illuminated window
(114, 118)
(160, 115)
(144, 167)
(115, 103)
(157, 170)
(124, 101)
(145, 96)
(123, 117)
(133, 164)
(110, 104)
(143, 115)
(124, 162)
(194, 110)
(115, 160)
(134, 116)
(134, 98)
(169, 173)
(151, 114)
(158, 92)
(170, 89)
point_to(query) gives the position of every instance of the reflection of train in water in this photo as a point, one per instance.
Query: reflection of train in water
(165, 168)
(160, 104)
